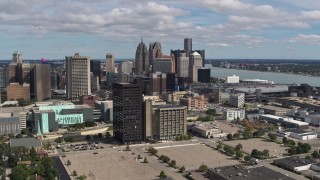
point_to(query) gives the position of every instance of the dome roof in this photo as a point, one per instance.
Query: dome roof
(195, 54)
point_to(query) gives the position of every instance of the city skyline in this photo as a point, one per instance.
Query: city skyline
(252, 29)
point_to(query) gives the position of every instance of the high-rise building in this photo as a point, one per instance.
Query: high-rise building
(12, 71)
(127, 113)
(40, 81)
(158, 83)
(110, 62)
(3, 77)
(78, 76)
(164, 121)
(195, 63)
(203, 55)
(183, 66)
(163, 64)
(141, 59)
(54, 80)
(237, 100)
(171, 81)
(16, 57)
(155, 51)
(126, 67)
(176, 54)
(188, 46)
(95, 68)
(204, 75)
(16, 91)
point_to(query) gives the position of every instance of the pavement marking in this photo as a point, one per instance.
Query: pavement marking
(172, 146)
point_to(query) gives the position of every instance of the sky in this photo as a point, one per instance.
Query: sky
(226, 29)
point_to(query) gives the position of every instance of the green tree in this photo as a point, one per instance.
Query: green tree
(152, 150)
(88, 137)
(239, 154)
(74, 173)
(100, 135)
(145, 160)
(68, 162)
(182, 169)
(139, 156)
(173, 163)
(82, 177)
(166, 159)
(58, 140)
(128, 148)
(162, 174)
(246, 134)
(19, 136)
(272, 137)
(238, 147)
(315, 154)
(69, 139)
(203, 168)
(229, 137)
(20, 172)
(284, 140)
(247, 158)
(108, 134)
(236, 136)
(219, 146)
(265, 153)
(33, 154)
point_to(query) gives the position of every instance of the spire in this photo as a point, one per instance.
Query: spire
(141, 39)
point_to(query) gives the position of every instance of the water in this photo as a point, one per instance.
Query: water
(278, 78)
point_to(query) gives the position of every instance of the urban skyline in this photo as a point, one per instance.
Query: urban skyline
(226, 29)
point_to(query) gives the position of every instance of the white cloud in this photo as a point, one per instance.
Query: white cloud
(313, 39)
(312, 15)
(219, 44)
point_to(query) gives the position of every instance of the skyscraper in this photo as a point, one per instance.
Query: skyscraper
(95, 69)
(163, 64)
(40, 81)
(109, 62)
(203, 55)
(16, 57)
(78, 76)
(127, 113)
(3, 77)
(195, 64)
(188, 46)
(183, 66)
(158, 83)
(155, 51)
(142, 59)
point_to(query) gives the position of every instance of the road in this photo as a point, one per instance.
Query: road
(63, 174)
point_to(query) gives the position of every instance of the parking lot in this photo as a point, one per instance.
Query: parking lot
(193, 156)
(83, 146)
(109, 164)
(260, 144)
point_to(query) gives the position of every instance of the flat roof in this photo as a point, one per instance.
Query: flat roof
(248, 172)
(276, 108)
(26, 142)
(284, 119)
(264, 89)
(293, 161)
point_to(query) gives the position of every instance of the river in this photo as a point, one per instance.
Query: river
(278, 78)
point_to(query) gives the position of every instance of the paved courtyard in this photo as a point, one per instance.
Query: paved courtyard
(260, 144)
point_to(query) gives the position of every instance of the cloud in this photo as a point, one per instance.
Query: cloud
(312, 15)
(312, 39)
(219, 44)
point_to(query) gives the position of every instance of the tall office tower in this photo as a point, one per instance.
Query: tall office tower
(155, 51)
(183, 66)
(95, 68)
(25, 72)
(195, 63)
(176, 54)
(188, 46)
(204, 75)
(163, 64)
(110, 62)
(158, 83)
(171, 81)
(54, 80)
(40, 81)
(12, 73)
(203, 55)
(3, 77)
(16, 57)
(126, 67)
(142, 59)
(127, 113)
(144, 83)
(78, 76)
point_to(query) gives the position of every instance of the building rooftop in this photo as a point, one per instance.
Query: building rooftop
(284, 119)
(275, 108)
(247, 172)
(26, 142)
(293, 161)
(264, 88)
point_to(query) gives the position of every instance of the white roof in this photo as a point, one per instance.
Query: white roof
(300, 123)
(195, 54)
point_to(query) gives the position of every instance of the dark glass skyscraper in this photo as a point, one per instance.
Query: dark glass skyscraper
(127, 114)
(188, 46)
(95, 68)
(142, 59)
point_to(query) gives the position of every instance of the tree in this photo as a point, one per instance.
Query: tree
(246, 134)
(108, 134)
(219, 146)
(182, 169)
(284, 140)
(128, 148)
(203, 168)
(162, 174)
(173, 163)
(247, 158)
(272, 137)
(74, 173)
(20, 172)
(152, 150)
(139, 156)
(145, 160)
(82, 177)
(88, 137)
(229, 137)
(58, 140)
(236, 136)
(33, 154)
(100, 135)
(19, 136)
(68, 162)
(238, 147)
(265, 153)
(166, 159)
(69, 139)
(315, 154)
(239, 154)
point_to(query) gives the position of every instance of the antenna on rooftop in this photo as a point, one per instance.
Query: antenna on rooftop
(141, 39)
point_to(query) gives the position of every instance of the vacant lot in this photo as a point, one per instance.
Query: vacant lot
(193, 156)
(259, 144)
(110, 164)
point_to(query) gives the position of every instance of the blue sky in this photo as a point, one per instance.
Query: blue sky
(276, 29)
